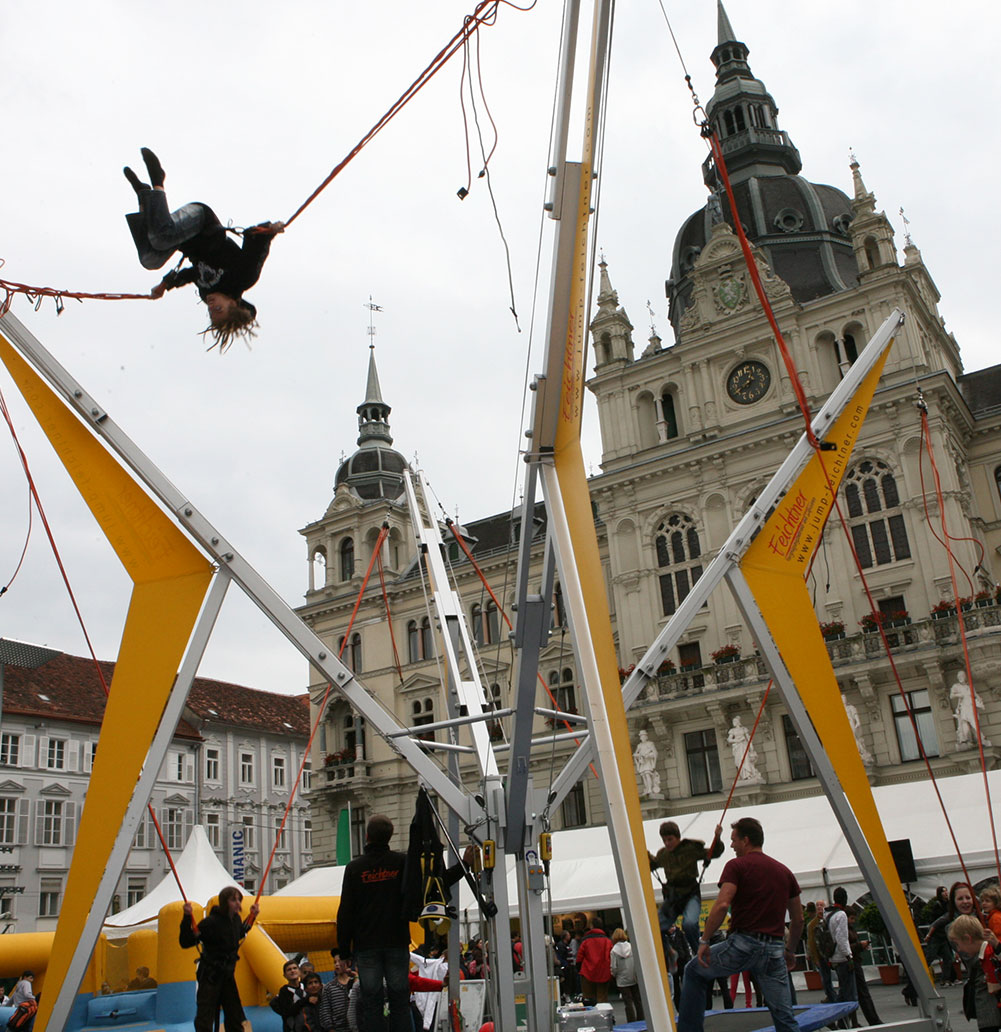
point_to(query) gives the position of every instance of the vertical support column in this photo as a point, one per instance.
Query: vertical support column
(66, 992)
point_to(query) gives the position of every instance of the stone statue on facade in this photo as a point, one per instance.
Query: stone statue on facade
(967, 700)
(739, 739)
(645, 762)
(856, 723)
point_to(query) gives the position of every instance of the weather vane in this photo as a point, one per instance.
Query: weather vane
(907, 232)
(372, 309)
(653, 325)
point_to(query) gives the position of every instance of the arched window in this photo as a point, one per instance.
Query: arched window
(413, 642)
(997, 480)
(423, 713)
(678, 556)
(566, 691)
(347, 559)
(354, 736)
(875, 515)
(559, 608)
(871, 252)
(476, 622)
(426, 648)
(350, 653)
(492, 623)
(670, 423)
(318, 570)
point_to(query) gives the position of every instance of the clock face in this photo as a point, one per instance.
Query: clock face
(748, 382)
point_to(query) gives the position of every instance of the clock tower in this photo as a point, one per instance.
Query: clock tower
(692, 431)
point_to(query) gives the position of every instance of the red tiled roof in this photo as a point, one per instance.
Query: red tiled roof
(72, 691)
(219, 702)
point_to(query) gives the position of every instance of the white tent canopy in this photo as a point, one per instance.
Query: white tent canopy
(199, 872)
(318, 881)
(803, 834)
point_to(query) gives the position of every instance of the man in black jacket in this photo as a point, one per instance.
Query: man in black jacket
(219, 935)
(372, 928)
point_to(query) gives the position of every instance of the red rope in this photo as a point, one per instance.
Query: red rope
(874, 609)
(752, 268)
(924, 498)
(485, 13)
(9, 288)
(962, 634)
(389, 618)
(383, 534)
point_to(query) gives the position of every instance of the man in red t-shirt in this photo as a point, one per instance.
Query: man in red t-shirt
(758, 892)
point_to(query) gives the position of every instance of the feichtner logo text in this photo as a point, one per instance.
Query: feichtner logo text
(788, 525)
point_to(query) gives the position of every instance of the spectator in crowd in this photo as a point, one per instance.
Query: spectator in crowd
(623, 968)
(960, 902)
(593, 963)
(820, 962)
(841, 959)
(333, 1008)
(967, 934)
(862, 994)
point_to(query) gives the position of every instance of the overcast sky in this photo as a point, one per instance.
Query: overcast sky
(249, 104)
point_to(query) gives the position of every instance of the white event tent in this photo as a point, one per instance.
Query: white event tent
(199, 871)
(802, 833)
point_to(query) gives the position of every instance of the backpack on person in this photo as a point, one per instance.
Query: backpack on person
(826, 946)
(24, 1014)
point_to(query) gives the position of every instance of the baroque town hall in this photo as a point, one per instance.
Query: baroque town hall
(691, 431)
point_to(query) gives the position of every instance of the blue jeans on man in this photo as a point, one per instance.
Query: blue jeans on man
(391, 964)
(158, 232)
(762, 956)
(827, 979)
(690, 910)
(847, 990)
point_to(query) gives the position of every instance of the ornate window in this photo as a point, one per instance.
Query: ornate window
(574, 809)
(354, 735)
(702, 755)
(423, 713)
(350, 652)
(875, 515)
(669, 425)
(678, 556)
(559, 618)
(906, 740)
(486, 623)
(347, 559)
(800, 766)
(318, 571)
(419, 640)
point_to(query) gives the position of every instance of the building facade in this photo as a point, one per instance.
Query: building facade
(230, 767)
(691, 432)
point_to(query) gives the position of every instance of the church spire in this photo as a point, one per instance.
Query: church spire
(744, 115)
(373, 412)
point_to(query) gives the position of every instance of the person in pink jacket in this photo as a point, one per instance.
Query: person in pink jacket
(594, 964)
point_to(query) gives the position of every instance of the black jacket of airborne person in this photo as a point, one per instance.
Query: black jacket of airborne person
(218, 264)
(219, 935)
(370, 915)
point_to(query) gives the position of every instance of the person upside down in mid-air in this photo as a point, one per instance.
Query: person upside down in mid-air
(220, 269)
